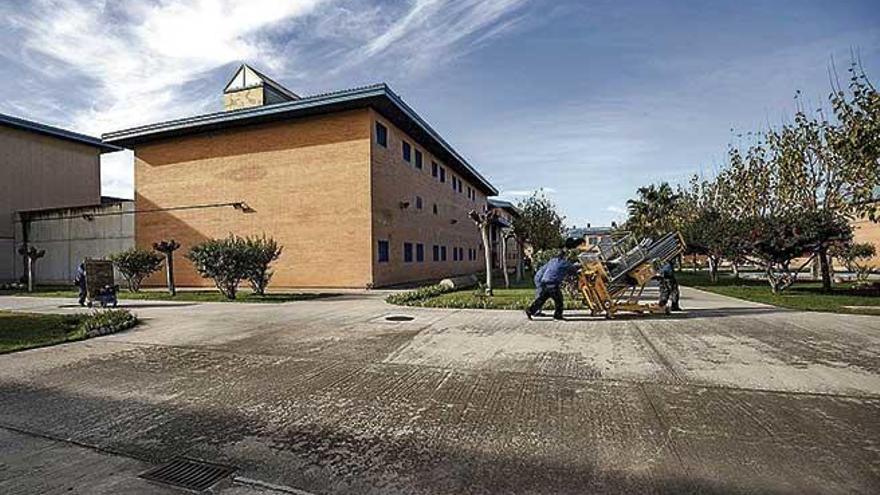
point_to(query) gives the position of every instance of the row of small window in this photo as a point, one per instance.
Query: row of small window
(416, 252)
(437, 171)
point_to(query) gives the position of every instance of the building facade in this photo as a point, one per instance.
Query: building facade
(42, 167)
(355, 186)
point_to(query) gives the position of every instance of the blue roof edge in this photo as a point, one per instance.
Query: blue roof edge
(242, 115)
(48, 130)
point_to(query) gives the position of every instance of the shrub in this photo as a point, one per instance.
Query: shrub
(104, 322)
(261, 252)
(417, 296)
(135, 265)
(225, 261)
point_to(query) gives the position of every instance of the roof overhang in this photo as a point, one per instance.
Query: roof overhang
(378, 97)
(56, 132)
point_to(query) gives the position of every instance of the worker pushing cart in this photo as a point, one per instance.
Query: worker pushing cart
(96, 284)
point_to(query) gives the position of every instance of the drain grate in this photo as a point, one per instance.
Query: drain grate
(189, 474)
(399, 318)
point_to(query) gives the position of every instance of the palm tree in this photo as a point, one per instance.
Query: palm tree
(652, 213)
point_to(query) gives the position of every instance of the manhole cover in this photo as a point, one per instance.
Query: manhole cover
(399, 318)
(189, 474)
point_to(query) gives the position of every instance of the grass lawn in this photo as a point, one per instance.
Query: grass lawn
(806, 296)
(518, 296)
(244, 296)
(20, 331)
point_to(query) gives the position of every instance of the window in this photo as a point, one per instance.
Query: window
(442, 174)
(383, 251)
(418, 202)
(436, 252)
(418, 159)
(459, 185)
(435, 169)
(381, 135)
(454, 254)
(407, 152)
(407, 252)
(442, 253)
(420, 252)
(461, 254)
(435, 208)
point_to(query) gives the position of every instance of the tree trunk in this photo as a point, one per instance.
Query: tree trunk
(735, 268)
(774, 285)
(169, 272)
(825, 268)
(713, 269)
(484, 233)
(30, 272)
(504, 262)
(519, 260)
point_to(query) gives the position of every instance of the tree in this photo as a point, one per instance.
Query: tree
(135, 265)
(483, 221)
(539, 223)
(167, 249)
(225, 261)
(653, 212)
(856, 257)
(261, 252)
(31, 254)
(856, 138)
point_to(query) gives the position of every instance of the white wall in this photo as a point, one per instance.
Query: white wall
(69, 235)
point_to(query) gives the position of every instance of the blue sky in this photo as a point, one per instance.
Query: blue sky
(587, 100)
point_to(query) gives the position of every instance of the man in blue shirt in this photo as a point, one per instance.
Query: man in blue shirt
(548, 283)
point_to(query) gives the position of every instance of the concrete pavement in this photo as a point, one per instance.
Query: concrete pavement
(327, 396)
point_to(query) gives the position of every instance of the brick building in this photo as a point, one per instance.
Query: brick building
(357, 187)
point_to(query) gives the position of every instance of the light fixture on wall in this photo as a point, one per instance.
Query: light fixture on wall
(243, 207)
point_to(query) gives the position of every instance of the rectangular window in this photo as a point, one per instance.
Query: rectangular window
(454, 254)
(383, 252)
(418, 202)
(442, 174)
(407, 152)
(454, 187)
(459, 185)
(435, 208)
(436, 252)
(420, 253)
(407, 252)
(442, 253)
(381, 135)
(435, 169)
(418, 159)
(461, 254)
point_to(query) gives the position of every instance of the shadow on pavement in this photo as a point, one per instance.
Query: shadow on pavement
(353, 457)
(678, 315)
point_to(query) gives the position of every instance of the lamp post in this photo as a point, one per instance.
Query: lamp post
(167, 248)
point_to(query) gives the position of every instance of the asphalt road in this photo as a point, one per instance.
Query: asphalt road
(327, 396)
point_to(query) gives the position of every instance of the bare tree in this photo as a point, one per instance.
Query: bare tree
(484, 221)
(167, 248)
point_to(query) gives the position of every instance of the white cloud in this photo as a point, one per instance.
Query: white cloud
(615, 209)
(113, 65)
(525, 192)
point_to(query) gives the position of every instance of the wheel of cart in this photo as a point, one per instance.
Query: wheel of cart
(101, 288)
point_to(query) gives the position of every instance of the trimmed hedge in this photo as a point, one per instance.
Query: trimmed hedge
(418, 296)
(107, 321)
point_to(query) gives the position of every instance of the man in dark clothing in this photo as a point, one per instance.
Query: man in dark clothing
(669, 292)
(548, 283)
(80, 281)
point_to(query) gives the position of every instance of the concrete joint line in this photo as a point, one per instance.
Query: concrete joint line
(660, 357)
(242, 480)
